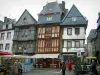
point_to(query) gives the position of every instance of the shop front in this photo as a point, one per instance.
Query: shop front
(47, 60)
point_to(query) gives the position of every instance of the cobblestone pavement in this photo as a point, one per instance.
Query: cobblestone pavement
(47, 72)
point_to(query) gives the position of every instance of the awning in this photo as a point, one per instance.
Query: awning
(91, 57)
(69, 54)
(5, 53)
(45, 56)
(16, 56)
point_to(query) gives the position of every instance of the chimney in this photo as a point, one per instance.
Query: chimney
(5, 19)
(63, 5)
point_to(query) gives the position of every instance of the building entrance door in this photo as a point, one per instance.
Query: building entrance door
(48, 62)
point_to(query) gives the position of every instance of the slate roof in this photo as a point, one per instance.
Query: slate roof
(9, 21)
(91, 35)
(26, 19)
(75, 13)
(56, 18)
(52, 7)
(1, 24)
(99, 17)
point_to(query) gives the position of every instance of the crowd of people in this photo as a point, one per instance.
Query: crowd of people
(63, 66)
(17, 67)
(93, 67)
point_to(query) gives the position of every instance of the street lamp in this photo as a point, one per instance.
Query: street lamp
(23, 51)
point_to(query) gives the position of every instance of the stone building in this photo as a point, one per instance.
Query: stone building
(91, 42)
(6, 34)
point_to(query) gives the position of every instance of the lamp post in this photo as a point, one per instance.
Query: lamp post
(23, 51)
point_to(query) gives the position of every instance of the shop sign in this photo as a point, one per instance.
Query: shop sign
(78, 53)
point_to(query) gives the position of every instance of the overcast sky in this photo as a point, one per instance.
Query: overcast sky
(14, 8)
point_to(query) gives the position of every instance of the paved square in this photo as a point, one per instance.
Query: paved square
(47, 72)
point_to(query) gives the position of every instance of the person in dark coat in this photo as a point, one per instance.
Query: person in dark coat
(63, 68)
(93, 68)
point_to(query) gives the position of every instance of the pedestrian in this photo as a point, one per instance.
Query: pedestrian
(15, 68)
(60, 65)
(63, 68)
(93, 68)
(69, 65)
(19, 67)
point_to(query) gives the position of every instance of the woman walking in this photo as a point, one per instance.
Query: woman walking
(69, 65)
(15, 68)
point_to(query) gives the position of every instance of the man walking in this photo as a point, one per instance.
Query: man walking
(63, 68)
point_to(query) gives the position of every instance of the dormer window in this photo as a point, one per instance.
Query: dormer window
(49, 18)
(74, 18)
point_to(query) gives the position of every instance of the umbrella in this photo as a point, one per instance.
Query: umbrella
(5, 53)
(91, 57)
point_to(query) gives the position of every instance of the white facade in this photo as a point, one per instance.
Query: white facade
(73, 38)
(7, 40)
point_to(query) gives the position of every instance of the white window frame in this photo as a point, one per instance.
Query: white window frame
(8, 36)
(2, 38)
(49, 18)
(69, 33)
(1, 46)
(76, 44)
(7, 46)
(74, 18)
(68, 43)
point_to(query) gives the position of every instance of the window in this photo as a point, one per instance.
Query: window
(69, 44)
(1, 46)
(9, 35)
(69, 31)
(6, 26)
(2, 36)
(48, 30)
(49, 18)
(73, 18)
(77, 43)
(7, 46)
(77, 31)
(24, 20)
(64, 43)
(48, 43)
(55, 43)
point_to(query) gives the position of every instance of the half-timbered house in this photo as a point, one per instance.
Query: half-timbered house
(25, 35)
(48, 31)
(73, 29)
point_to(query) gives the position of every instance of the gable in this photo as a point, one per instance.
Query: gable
(25, 19)
(74, 14)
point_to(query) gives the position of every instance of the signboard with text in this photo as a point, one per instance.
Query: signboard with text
(78, 53)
